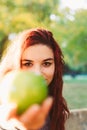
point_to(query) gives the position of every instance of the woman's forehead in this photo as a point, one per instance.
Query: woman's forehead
(38, 51)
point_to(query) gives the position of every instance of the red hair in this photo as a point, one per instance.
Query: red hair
(12, 60)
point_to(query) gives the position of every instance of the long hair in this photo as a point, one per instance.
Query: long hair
(12, 60)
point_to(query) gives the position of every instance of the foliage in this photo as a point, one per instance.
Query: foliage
(71, 31)
(18, 15)
(76, 47)
(68, 27)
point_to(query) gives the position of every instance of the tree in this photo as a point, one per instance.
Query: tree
(70, 30)
(68, 27)
(18, 15)
(76, 45)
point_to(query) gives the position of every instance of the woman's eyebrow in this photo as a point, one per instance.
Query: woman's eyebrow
(26, 60)
(49, 59)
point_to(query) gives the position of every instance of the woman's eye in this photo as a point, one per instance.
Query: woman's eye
(27, 64)
(47, 64)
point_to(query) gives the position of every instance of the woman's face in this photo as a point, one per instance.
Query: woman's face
(39, 59)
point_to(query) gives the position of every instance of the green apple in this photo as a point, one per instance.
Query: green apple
(23, 88)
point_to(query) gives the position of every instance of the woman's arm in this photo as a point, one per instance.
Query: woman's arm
(33, 118)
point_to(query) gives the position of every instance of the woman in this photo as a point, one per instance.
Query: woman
(36, 50)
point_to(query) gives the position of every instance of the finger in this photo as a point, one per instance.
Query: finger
(46, 106)
(7, 111)
(35, 116)
(44, 110)
(12, 111)
(28, 115)
(36, 110)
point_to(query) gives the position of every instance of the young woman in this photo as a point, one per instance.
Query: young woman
(36, 50)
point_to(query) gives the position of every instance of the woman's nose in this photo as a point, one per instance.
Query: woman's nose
(37, 70)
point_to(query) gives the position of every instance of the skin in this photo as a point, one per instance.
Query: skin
(33, 118)
(39, 59)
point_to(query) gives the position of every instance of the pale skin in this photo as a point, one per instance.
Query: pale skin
(39, 59)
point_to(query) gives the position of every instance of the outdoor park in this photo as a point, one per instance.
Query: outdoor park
(69, 27)
(70, 30)
(75, 91)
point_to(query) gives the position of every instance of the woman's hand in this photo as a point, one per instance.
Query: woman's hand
(33, 118)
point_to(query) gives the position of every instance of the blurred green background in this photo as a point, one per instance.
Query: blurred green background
(75, 91)
(70, 30)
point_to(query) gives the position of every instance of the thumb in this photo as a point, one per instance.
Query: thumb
(8, 111)
(12, 111)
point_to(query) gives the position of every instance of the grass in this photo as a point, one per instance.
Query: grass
(75, 92)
